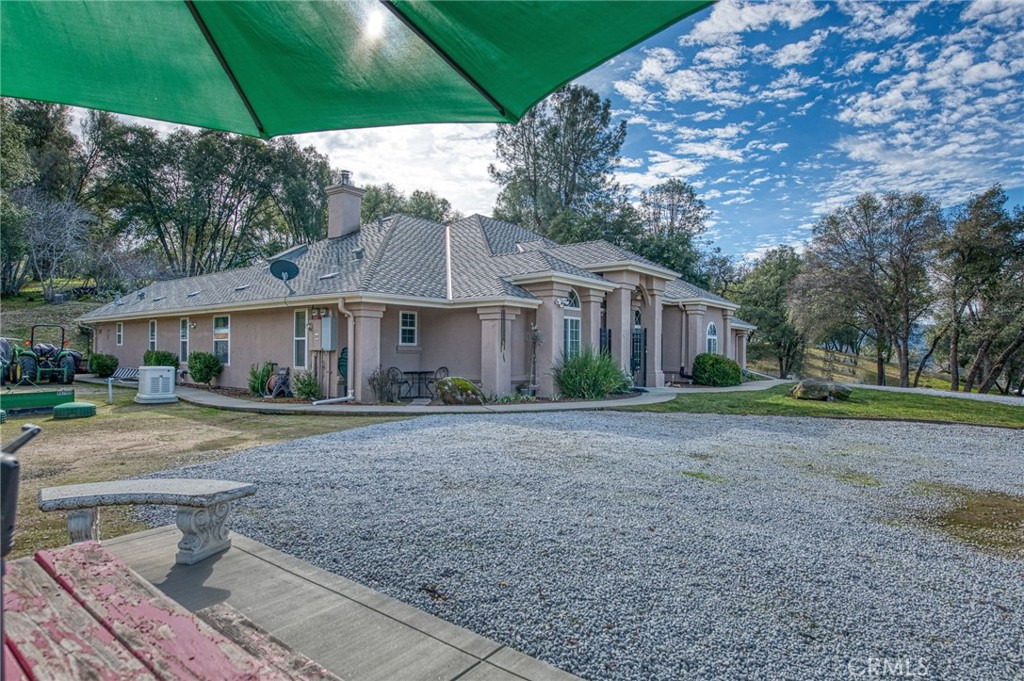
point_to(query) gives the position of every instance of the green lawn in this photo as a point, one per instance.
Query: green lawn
(863, 403)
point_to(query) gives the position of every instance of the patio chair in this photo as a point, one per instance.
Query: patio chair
(396, 382)
(438, 375)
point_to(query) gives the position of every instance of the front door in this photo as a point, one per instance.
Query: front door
(638, 357)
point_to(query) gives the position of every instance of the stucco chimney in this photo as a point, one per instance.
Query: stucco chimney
(344, 205)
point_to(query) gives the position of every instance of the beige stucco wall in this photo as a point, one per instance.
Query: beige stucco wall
(257, 336)
(449, 338)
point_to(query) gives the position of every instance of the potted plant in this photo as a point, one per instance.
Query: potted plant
(536, 338)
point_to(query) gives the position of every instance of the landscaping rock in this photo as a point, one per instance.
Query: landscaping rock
(455, 390)
(814, 389)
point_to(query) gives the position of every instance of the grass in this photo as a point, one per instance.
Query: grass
(126, 440)
(863, 403)
(19, 313)
(989, 521)
(706, 477)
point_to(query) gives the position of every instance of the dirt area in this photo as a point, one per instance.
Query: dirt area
(125, 440)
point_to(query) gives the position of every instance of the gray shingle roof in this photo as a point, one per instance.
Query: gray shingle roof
(401, 255)
(684, 290)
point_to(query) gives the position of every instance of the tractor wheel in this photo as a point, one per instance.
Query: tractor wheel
(27, 365)
(67, 375)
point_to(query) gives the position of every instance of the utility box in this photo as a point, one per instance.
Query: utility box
(156, 385)
(328, 334)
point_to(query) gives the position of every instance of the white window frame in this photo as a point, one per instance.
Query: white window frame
(119, 333)
(415, 328)
(152, 334)
(711, 342)
(183, 339)
(572, 326)
(304, 338)
(227, 340)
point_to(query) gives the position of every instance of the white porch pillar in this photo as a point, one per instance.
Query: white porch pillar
(366, 354)
(496, 356)
(727, 351)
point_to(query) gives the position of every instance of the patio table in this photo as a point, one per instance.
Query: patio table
(418, 382)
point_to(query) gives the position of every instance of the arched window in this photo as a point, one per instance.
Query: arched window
(571, 325)
(712, 339)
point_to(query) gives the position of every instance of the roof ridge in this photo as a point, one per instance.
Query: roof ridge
(374, 264)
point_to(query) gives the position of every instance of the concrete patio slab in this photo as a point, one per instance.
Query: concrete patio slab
(354, 631)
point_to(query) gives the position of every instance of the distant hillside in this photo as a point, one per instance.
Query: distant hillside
(18, 314)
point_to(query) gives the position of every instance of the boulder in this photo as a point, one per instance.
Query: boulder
(816, 389)
(455, 390)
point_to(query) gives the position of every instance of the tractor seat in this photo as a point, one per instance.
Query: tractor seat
(45, 349)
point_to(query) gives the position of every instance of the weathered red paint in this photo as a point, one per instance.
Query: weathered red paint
(12, 670)
(168, 639)
(53, 637)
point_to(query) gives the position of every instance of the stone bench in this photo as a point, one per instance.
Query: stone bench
(203, 507)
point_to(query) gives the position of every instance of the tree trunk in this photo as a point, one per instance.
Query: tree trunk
(979, 360)
(1020, 385)
(954, 356)
(879, 365)
(903, 355)
(1000, 362)
(924, 360)
(782, 368)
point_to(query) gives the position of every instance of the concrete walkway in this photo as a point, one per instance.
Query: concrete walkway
(207, 398)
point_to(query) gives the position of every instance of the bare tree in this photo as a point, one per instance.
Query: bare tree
(55, 232)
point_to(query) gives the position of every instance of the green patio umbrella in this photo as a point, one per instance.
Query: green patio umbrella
(273, 68)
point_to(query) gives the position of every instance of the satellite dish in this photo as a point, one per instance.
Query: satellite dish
(284, 270)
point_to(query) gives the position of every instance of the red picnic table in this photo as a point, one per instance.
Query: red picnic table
(77, 612)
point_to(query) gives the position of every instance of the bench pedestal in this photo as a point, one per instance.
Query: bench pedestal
(205, 532)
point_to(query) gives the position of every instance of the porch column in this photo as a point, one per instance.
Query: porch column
(694, 334)
(366, 353)
(727, 350)
(650, 318)
(590, 318)
(620, 323)
(741, 348)
(496, 353)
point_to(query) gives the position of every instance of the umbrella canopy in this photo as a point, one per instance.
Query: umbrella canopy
(274, 68)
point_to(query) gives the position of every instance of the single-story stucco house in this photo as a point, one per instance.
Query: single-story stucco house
(418, 295)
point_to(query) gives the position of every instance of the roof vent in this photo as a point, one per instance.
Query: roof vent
(141, 295)
(242, 287)
(357, 254)
(193, 294)
(118, 301)
(330, 275)
(158, 299)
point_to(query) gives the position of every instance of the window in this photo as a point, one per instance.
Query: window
(571, 341)
(408, 334)
(299, 340)
(183, 339)
(119, 333)
(152, 334)
(638, 319)
(222, 339)
(712, 339)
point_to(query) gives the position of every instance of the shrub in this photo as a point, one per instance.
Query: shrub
(590, 375)
(382, 385)
(514, 398)
(204, 367)
(103, 366)
(258, 377)
(716, 370)
(306, 386)
(159, 358)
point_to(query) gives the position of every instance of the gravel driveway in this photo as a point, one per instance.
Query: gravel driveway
(648, 546)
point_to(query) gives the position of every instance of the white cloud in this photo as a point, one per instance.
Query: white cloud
(871, 22)
(729, 18)
(800, 52)
(449, 159)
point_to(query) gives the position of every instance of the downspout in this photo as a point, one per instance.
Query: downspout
(448, 257)
(684, 339)
(348, 362)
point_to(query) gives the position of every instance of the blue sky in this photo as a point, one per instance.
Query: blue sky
(776, 112)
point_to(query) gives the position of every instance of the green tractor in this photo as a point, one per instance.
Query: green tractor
(38, 362)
